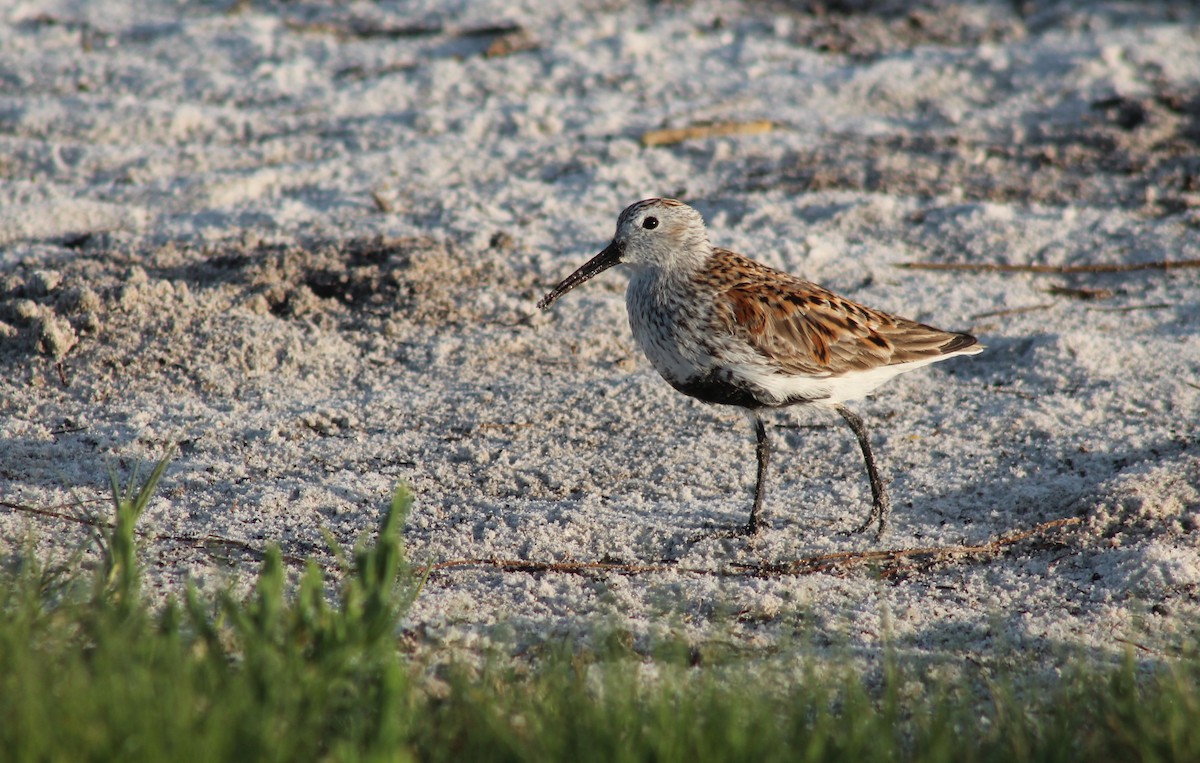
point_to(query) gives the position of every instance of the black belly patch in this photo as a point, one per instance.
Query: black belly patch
(711, 390)
(715, 390)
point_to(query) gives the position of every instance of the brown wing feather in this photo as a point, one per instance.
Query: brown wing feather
(811, 331)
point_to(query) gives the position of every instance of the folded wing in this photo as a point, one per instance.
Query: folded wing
(809, 331)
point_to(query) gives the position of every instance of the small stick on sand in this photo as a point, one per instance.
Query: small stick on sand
(191, 540)
(670, 136)
(991, 267)
(889, 562)
(1132, 308)
(1085, 293)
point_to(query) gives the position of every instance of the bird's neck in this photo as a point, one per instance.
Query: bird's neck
(681, 266)
(662, 285)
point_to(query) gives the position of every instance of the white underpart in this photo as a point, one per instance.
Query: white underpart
(832, 390)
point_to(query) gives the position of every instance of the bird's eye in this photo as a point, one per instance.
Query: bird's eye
(650, 223)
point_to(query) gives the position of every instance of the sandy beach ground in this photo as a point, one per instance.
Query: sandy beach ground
(305, 240)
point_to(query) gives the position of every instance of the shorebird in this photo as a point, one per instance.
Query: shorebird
(725, 329)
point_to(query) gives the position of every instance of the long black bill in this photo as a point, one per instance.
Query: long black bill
(592, 268)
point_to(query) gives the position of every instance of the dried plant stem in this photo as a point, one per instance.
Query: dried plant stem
(890, 562)
(991, 267)
(669, 136)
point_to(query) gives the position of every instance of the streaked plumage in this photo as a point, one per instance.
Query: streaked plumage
(728, 330)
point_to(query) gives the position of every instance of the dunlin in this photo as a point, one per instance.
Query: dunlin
(725, 329)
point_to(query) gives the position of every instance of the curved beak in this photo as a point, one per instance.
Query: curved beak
(590, 269)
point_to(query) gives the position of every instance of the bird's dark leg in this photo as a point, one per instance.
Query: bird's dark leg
(879, 502)
(764, 455)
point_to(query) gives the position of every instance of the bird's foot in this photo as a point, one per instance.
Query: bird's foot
(878, 517)
(748, 530)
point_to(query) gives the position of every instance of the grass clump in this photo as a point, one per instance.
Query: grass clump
(90, 671)
(93, 672)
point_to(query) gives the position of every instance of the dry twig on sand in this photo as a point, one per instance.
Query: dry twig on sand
(669, 136)
(992, 267)
(889, 563)
(204, 541)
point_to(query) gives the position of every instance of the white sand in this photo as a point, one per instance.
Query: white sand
(189, 203)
